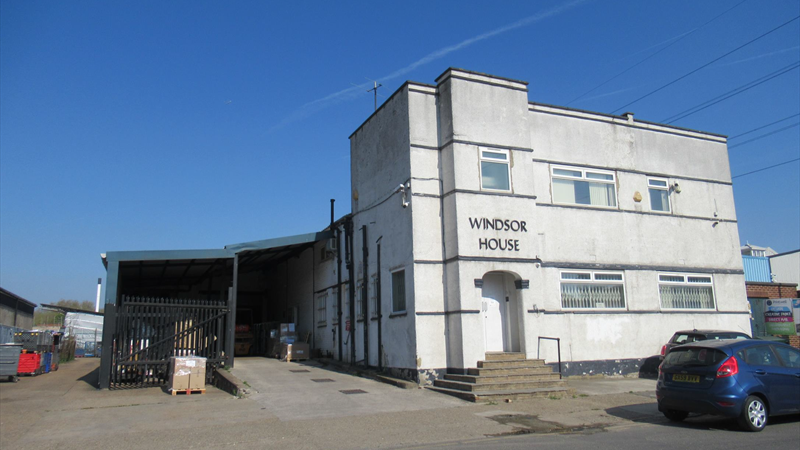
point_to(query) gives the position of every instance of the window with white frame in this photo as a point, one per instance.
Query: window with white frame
(686, 291)
(659, 194)
(322, 309)
(360, 299)
(495, 170)
(592, 290)
(399, 291)
(578, 186)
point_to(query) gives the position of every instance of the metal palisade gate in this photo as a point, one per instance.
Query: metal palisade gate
(148, 331)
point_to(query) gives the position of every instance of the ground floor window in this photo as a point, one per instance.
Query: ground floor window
(335, 306)
(685, 291)
(590, 290)
(322, 309)
(360, 299)
(399, 291)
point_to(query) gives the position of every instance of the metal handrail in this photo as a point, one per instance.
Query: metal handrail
(558, 341)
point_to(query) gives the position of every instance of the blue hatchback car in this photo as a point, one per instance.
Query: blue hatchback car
(747, 379)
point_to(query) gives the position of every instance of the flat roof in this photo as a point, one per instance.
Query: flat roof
(228, 252)
(17, 297)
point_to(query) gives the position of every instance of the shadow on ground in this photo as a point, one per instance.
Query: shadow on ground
(648, 413)
(92, 378)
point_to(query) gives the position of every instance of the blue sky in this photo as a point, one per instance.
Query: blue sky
(172, 125)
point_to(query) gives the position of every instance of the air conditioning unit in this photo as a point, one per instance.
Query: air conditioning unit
(332, 246)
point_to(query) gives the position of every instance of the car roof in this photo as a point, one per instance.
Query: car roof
(710, 332)
(731, 344)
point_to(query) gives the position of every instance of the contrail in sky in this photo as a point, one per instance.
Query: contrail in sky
(765, 55)
(355, 91)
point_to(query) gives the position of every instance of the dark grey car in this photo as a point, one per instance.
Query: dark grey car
(689, 336)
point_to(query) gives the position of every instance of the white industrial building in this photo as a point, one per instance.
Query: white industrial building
(504, 220)
(482, 222)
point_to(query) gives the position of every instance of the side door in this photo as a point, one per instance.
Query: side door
(766, 370)
(788, 379)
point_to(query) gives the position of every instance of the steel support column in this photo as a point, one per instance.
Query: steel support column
(230, 330)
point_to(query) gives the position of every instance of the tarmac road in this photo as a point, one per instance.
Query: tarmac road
(64, 410)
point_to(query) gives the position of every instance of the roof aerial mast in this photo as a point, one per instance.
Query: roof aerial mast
(375, 90)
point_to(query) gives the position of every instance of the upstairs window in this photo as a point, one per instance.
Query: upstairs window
(495, 170)
(659, 194)
(592, 290)
(576, 186)
(685, 291)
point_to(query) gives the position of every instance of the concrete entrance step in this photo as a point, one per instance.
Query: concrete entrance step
(499, 396)
(508, 363)
(504, 356)
(498, 385)
(484, 379)
(519, 370)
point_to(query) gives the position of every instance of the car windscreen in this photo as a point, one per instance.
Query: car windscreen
(730, 336)
(694, 356)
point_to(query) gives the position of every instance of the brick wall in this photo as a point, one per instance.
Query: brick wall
(771, 290)
(794, 341)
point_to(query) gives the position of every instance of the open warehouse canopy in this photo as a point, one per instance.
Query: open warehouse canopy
(163, 303)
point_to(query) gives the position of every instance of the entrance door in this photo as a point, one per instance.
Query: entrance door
(500, 313)
(492, 325)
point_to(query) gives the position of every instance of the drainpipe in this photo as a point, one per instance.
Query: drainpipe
(378, 304)
(339, 289)
(348, 226)
(364, 292)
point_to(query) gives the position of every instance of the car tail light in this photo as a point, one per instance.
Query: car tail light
(729, 368)
(664, 350)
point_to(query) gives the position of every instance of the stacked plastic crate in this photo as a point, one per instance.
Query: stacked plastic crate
(37, 352)
(30, 360)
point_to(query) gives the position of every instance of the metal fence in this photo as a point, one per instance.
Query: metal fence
(148, 331)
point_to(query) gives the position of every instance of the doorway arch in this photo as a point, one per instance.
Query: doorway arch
(500, 311)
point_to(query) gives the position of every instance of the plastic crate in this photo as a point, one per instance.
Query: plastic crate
(47, 359)
(30, 340)
(29, 363)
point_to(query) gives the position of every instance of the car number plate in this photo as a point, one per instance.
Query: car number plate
(686, 378)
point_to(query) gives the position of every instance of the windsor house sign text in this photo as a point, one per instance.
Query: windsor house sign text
(506, 244)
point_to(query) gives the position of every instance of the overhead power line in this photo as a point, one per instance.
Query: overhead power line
(763, 126)
(651, 56)
(767, 168)
(763, 136)
(706, 64)
(741, 89)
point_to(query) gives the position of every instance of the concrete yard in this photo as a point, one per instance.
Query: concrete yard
(286, 409)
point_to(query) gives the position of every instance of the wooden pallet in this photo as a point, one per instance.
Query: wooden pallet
(187, 391)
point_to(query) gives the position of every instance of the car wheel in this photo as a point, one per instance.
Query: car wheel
(675, 416)
(754, 414)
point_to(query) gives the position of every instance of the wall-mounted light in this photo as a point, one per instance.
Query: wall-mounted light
(404, 188)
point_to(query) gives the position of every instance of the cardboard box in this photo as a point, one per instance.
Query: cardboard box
(187, 373)
(296, 351)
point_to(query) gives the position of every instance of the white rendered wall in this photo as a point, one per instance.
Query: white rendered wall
(430, 140)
